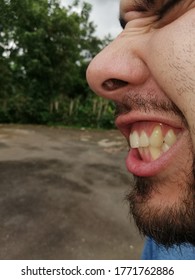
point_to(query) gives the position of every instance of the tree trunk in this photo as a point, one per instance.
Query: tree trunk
(71, 107)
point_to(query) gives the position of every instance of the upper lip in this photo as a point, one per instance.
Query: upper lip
(125, 121)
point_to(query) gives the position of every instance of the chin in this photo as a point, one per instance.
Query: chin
(164, 209)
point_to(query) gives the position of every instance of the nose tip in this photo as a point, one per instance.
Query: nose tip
(105, 79)
(115, 69)
(113, 84)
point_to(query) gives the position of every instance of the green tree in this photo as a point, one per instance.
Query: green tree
(44, 51)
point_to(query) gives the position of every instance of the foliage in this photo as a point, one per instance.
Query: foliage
(44, 52)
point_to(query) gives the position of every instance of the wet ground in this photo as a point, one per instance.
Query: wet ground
(62, 195)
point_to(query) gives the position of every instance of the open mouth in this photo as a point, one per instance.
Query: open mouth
(152, 140)
(153, 144)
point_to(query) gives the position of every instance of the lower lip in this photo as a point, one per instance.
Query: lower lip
(140, 168)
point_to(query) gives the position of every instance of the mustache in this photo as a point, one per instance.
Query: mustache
(147, 105)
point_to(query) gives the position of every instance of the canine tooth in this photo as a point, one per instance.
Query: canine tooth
(134, 140)
(155, 152)
(156, 138)
(143, 140)
(170, 138)
(165, 147)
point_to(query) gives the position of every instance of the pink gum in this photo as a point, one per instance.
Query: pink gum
(148, 128)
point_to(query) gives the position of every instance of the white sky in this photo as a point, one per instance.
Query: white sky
(105, 14)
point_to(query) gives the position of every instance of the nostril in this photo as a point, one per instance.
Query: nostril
(113, 84)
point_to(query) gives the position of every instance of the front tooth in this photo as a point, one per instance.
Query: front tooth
(170, 138)
(134, 140)
(156, 138)
(144, 140)
(155, 152)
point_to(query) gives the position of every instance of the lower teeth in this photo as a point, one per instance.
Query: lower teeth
(151, 153)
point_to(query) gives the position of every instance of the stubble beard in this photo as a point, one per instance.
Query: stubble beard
(168, 225)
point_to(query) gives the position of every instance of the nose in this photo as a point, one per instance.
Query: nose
(116, 69)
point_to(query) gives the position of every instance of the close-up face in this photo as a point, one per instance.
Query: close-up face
(149, 72)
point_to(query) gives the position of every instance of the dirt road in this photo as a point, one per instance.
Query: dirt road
(62, 195)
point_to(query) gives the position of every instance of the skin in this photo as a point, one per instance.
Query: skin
(153, 61)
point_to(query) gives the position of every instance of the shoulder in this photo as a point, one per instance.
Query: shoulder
(154, 251)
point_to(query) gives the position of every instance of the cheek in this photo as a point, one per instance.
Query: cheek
(171, 59)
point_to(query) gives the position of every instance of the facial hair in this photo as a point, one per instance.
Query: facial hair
(147, 105)
(173, 224)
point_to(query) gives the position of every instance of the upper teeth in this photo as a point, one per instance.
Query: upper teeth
(155, 140)
(143, 140)
(170, 138)
(156, 143)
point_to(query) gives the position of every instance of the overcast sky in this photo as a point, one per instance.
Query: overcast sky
(105, 15)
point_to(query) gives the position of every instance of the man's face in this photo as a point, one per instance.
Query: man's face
(149, 72)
